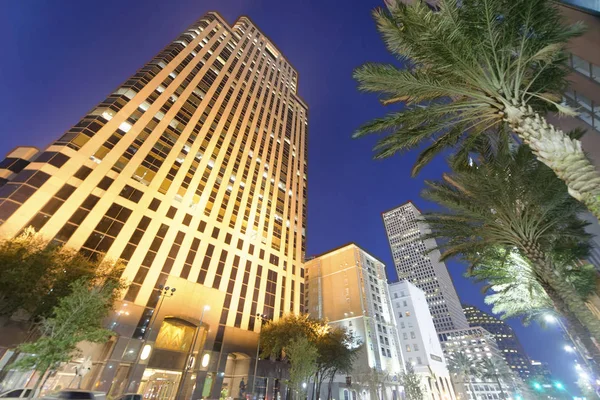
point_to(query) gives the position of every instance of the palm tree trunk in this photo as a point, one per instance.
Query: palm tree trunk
(472, 389)
(500, 386)
(575, 327)
(562, 290)
(559, 152)
(580, 319)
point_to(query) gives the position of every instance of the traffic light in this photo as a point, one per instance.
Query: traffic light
(559, 385)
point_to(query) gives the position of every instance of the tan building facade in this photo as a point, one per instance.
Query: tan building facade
(193, 172)
(348, 287)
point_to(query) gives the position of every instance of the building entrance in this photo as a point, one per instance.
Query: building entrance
(159, 384)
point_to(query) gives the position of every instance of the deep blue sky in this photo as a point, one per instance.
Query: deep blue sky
(61, 57)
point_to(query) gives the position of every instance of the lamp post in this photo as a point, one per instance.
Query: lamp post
(260, 318)
(190, 361)
(165, 291)
(576, 345)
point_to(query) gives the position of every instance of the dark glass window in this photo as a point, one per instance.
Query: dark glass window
(105, 183)
(90, 202)
(201, 226)
(215, 233)
(154, 204)
(38, 179)
(58, 160)
(171, 213)
(22, 194)
(187, 219)
(65, 192)
(7, 209)
(83, 172)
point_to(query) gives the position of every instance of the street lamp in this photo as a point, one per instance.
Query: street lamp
(165, 291)
(569, 349)
(550, 318)
(576, 346)
(260, 318)
(191, 361)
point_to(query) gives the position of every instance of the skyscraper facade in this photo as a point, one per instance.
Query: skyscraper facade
(417, 262)
(506, 339)
(420, 344)
(348, 287)
(478, 344)
(193, 173)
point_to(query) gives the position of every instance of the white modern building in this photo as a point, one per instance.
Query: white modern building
(478, 343)
(420, 345)
(417, 262)
(348, 287)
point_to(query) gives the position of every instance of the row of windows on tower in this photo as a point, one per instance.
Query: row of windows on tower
(211, 201)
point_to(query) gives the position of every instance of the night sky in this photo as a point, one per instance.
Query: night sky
(61, 57)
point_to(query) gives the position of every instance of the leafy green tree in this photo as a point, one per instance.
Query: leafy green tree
(370, 379)
(303, 363)
(77, 317)
(411, 382)
(508, 200)
(35, 274)
(337, 351)
(472, 65)
(336, 348)
(465, 368)
(276, 335)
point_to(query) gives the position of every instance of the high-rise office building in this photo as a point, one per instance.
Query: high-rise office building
(506, 339)
(193, 172)
(478, 344)
(419, 341)
(348, 287)
(417, 262)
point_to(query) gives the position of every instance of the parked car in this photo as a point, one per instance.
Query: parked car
(19, 393)
(74, 394)
(130, 396)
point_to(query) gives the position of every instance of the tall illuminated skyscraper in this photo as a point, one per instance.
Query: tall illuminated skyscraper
(417, 262)
(193, 172)
(506, 339)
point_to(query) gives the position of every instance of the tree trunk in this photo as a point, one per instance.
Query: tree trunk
(574, 325)
(565, 298)
(330, 383)
(472, 389)
(37, 383)
(319, 383)
(500, 386)
(559, 152)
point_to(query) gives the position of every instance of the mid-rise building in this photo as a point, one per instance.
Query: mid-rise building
(506, 339)
(417, 261)
(584, 89)
(420, 345)
(477, 343)
(193, 173)
(348, 287)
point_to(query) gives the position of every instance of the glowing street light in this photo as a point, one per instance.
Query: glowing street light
(537, 386)
(550, 318)
(559, 385)
(569, 349)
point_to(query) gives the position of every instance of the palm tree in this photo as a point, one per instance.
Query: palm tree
(496, 369)
(517, 293)
(472, 65)
(509, 201)
(465, 368)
